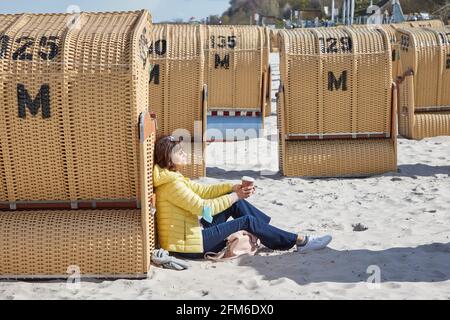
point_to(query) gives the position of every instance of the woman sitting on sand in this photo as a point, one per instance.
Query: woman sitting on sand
(181, 204)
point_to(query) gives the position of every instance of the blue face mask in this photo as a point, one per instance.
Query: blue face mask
(207, 214)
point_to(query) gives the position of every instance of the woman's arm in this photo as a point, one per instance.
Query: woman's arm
(183, 197)
(211, 191)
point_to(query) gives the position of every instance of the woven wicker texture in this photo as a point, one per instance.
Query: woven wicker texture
(425, 52)
(359, 157)
(390, 29)
(73, 87)
(426, 125)
(46, 243)
(176, 88)
(336, 87)
(236, 59)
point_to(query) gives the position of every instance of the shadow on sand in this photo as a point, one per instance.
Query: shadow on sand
(409, 170)
(422, 170)
(425, 263)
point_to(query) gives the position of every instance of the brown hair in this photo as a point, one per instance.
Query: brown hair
(164, 148)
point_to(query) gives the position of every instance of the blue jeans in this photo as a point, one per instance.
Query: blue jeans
(245, 217)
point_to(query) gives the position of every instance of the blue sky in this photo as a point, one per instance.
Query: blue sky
(161, 10)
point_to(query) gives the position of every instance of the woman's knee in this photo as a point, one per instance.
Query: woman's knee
(243, 206)
(249, 221)
(244, 222)
(240, 203)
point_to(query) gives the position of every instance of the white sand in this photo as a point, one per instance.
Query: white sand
(407, 215)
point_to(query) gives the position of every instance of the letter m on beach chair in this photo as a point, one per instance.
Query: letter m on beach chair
(222, 63)
(334, 83)
(42, 101)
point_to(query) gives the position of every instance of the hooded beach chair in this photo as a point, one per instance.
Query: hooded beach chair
(237, 70)
(177, 91)
(76, 146)
(336, 106)
(424, 95)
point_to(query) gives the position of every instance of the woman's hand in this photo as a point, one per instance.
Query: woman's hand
(244, 193)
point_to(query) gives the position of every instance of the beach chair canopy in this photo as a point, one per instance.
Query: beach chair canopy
(177, 91)
(335, 81)
(236, 59)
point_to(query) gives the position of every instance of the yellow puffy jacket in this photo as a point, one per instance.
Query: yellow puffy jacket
(179, 206)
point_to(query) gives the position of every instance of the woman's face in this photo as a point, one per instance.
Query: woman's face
(179, 157)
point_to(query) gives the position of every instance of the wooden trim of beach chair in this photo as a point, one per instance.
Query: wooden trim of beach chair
(264, 96)
(394, 117)
(406, 105)
(268, 111)
(70, 205)
(147, 135)
(335, 136)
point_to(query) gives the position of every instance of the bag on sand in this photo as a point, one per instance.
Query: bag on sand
(238, 244)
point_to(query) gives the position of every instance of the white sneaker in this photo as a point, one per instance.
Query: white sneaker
(315, 243)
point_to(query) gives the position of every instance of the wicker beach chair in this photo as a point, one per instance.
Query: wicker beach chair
(177, 91)
(76, 146)
(237, 68)
(336, 107)
(423, 24)
(424, 95)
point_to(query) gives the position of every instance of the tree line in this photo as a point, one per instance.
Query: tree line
(242, 11)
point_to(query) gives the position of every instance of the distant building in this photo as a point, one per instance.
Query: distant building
(387, 11)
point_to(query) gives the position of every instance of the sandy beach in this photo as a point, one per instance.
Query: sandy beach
(407, 241)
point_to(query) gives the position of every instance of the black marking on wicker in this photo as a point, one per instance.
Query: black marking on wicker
(159, 47)
(222, 63)
(143, 47)
(154, 74)
(4, 40)
(51, 44)
(42, 100)
(448, 61)
(394, 55)
(20, 53)
(232, 42)
(404, 42)
(336, 45)
(223, 42)
(445, 38)
(334, 83)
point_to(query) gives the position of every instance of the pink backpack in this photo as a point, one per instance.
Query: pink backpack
(238, 244)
